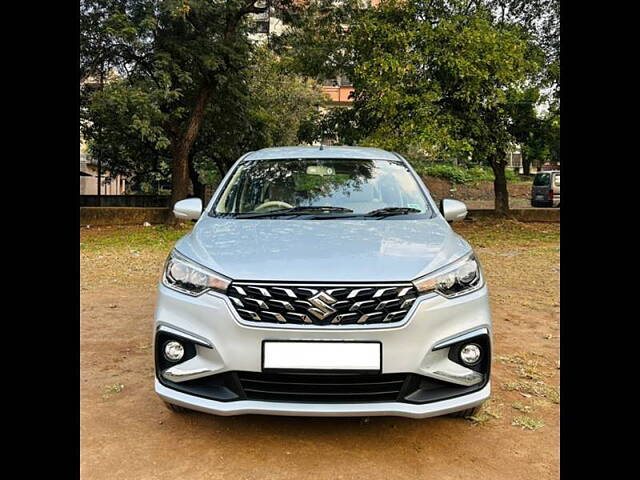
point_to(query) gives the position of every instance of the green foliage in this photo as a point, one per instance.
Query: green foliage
(540, 21)
(264, 107)
(429, 77)
(157, 59)
(151, 72)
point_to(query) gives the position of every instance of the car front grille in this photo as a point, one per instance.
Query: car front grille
(321, 387)
(322, 304)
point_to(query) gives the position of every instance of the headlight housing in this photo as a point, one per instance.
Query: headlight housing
(185, 276)
(458, 278)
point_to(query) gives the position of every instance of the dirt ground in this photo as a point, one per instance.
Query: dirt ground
(127, 433)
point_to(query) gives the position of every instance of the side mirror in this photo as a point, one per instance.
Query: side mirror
(453, 210)
(188, 209)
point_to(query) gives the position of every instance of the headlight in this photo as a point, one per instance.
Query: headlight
(459, 278)
(183, 275)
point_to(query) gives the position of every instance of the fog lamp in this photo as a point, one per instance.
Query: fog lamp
(470, 354)
(173, 351)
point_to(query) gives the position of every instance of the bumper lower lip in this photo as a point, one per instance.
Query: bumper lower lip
(243, 407)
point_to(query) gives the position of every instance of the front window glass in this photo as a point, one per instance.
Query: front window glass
(350, 187)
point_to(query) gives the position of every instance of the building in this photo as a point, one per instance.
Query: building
(338, 90)
(514, 160)
(110, 184)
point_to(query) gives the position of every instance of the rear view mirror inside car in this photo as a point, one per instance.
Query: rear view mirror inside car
(320, 170)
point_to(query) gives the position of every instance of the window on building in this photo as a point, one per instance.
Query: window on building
(515, 160)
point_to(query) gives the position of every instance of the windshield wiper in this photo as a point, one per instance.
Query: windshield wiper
(380, 213)
(299, 210)
(386, 212)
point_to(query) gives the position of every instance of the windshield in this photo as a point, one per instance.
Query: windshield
(335, 187)
(541, 179)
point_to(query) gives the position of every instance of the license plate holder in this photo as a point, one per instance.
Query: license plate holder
(311, 356)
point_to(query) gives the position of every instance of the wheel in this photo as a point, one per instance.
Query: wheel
(176, 408)
(469, 412)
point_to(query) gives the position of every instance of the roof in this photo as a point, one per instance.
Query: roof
(365, 153)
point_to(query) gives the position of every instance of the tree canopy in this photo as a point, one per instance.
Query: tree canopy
(435, 77)
(176, 85)
(173, 58)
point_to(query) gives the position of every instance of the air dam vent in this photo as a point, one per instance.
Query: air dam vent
(322, 304)
(322, 387)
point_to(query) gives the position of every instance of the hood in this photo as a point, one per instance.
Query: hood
(322, 250)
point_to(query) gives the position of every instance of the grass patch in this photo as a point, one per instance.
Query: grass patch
(520, 407)
(489, 411)
(133, 239)
(110, 389)
(536, 389)
(527, 423)
(483, 417)
(493, 232)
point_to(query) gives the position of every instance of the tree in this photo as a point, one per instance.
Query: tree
(430, 76)
(540, 20)
(174, 58)
(119, 123)
(538, 133)
(263, 108)
(257, 107)
(526, 127)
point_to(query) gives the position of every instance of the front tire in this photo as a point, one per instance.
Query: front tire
(176, 408)
(469, 412)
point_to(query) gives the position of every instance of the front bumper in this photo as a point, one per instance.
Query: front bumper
(242, 407)
(223, 344)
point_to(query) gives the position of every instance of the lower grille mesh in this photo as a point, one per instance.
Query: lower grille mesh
(322, 387)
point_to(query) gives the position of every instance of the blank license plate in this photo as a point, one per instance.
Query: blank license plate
(322, 356)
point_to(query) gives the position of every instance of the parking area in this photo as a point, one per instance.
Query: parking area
(127, 433)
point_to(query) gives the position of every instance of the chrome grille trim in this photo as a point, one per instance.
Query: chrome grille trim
(319, 304)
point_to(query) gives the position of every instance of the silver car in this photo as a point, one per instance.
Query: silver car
(322, 282)
(545, 191)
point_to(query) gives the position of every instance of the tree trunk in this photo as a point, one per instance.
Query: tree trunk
(182, 147)
(498, 165)
(221, 166)
(198, 187)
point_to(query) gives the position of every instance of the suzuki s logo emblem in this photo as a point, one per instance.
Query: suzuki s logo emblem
(322, 305)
